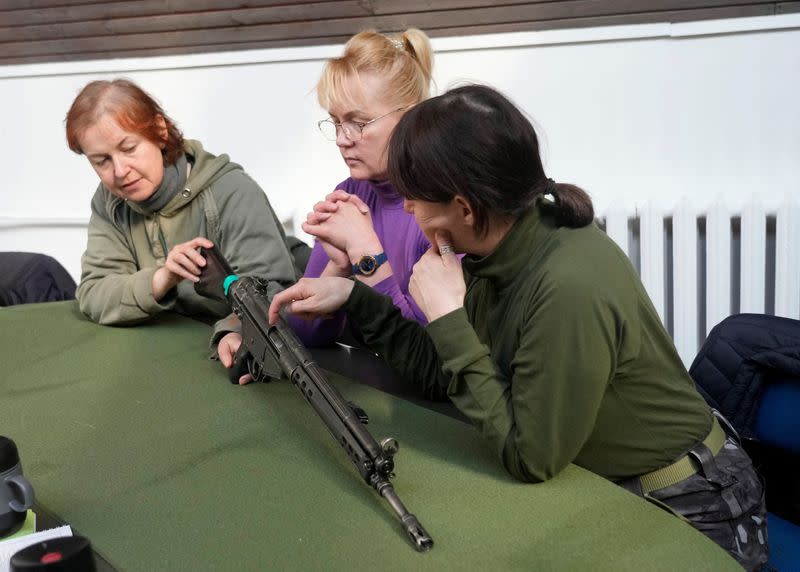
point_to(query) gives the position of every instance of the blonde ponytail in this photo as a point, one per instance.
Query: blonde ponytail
(404, 61)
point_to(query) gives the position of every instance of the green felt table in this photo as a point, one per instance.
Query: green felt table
(135, 438)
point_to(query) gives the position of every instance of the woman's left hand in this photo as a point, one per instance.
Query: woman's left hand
(437, 282)
(227, 348)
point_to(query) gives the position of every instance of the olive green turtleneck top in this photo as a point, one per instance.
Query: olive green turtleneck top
(557, 356)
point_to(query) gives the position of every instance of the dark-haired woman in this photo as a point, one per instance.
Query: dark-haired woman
(160, 198)
(544, 336)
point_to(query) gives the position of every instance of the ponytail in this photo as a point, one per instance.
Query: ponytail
(572, 204)
(418, 46)
(404, 61)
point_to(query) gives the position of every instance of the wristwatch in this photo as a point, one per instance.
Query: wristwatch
(368, 264)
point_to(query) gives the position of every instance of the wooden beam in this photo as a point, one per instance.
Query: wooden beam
(108, 26)
(297, 23)
(83, 11)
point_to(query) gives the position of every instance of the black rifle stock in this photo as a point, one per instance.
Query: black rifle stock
(272, 350)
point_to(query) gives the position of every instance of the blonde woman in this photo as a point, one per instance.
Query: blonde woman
(361, 228)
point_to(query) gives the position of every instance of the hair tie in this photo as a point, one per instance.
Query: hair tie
(397, 43)
(549, 187)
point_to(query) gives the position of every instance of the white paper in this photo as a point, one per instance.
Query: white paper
(13, 545)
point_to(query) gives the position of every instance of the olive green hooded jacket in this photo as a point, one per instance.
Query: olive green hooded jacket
(126, 244)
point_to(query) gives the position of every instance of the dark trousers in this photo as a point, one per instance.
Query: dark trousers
(724, 500)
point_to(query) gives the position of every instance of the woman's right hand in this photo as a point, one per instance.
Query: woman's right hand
(227, 348)
(183, 262)
(437, 281)
(312, 298)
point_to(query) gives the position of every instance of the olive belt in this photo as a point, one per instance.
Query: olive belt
(684, 467)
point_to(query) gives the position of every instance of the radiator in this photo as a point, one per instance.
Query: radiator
(702, 266)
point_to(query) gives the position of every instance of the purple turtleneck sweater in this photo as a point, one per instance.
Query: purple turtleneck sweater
(404, 244)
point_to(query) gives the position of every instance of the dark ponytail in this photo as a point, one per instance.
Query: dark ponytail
(572, 205)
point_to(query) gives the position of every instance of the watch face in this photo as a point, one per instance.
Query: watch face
(367, 265)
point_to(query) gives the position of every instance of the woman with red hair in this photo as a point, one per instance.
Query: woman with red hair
(161, 197)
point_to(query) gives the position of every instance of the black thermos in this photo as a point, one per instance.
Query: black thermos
(16, 493)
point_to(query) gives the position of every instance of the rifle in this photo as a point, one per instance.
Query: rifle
(273, 350)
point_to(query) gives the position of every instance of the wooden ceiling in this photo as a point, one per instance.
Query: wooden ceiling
(33, 31)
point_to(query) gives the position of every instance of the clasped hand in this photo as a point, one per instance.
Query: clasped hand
(343, 225)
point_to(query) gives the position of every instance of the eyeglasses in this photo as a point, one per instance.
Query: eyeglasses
(352, 129)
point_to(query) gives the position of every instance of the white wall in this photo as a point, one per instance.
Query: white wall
(631, 113)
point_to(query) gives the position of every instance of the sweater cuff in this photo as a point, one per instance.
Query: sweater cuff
(455, 340)
(143, 293)
(226, 325)
(364, 303)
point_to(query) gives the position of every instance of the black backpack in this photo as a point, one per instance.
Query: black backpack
(27, 277)
(743, 355)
